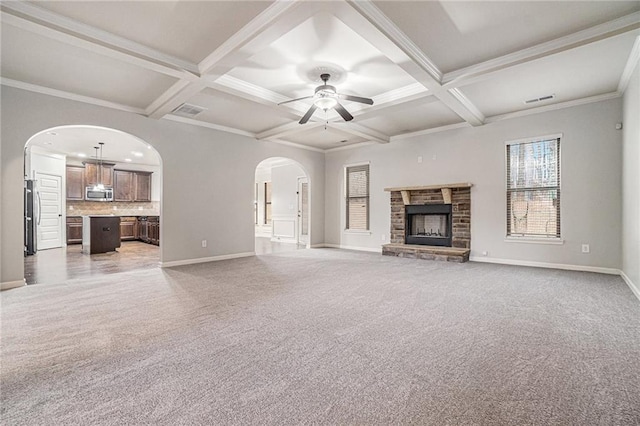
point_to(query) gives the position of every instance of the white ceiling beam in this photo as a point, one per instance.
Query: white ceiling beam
(68, 95)
(406, 54)
(206, 124)
(487, 69)
(288, 129)
(632, 63)
(49, 24)
(172, 98)
(256, 35)
(359, 130)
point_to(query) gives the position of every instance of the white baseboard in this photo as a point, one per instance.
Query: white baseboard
(343, 247)
(634, 288)
(598, 269)
(206, 259)
(12, 284)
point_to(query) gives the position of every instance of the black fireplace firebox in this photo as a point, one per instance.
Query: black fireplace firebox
(428, 224)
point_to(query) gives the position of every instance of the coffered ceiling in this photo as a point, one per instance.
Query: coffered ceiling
(427, 65)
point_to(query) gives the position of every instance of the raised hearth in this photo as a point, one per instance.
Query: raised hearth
(431, 222)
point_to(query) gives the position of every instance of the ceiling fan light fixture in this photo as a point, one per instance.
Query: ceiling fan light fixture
(325, 102)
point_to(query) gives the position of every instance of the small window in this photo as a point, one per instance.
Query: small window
(357, 197)
(255, 204)
(533, 188)
(267, 203)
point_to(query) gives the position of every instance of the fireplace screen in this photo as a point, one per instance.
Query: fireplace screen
(428, 224)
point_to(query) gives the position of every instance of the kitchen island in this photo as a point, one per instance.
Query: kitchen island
(100, 234)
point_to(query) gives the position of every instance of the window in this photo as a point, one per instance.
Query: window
(357, 195)
(255, 204)
(533, 188)
(267, 203)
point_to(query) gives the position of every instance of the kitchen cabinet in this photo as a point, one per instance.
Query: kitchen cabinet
(128, 228)
(149, 229)
(74, 230)
(93, 170)
(153, 225)
(75, 183)
(131, 185)
(142, 183)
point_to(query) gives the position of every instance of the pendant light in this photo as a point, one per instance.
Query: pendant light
(95, 185)
(100, 184)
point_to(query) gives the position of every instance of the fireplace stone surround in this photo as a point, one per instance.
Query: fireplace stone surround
(457, 195)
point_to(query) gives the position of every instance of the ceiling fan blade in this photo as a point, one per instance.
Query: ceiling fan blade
(293, 100)
(343, 112)
(308, 115)
(357, 99)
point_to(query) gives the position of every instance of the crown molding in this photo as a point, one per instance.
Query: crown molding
(429, 131)
(67, 95)
(295, 145)
(30, 17)
(185, 120)
(483, 70)
(632, 63)
(554, 107)
(359, 130)
(370, 11)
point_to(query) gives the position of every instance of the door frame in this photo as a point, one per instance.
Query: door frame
(302, 239)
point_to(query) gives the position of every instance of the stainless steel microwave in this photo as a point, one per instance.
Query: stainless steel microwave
(93, 194)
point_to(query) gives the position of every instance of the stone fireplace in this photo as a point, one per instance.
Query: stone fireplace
(431, 222)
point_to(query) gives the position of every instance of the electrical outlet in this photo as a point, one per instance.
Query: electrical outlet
(419, 158)
(204, 243)
(383, 237)
(485, 253)
(586, 248)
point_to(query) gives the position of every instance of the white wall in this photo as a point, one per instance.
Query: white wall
(590, 187)
(207, 183)
(631, 181)
(284, 201)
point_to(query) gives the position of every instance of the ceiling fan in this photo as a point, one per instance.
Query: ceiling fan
(326, 97)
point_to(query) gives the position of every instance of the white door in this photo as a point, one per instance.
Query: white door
(303, 211)
(49, 197)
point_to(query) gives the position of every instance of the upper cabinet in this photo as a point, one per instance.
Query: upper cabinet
(93, 170)
(75, 183)
(131, 185)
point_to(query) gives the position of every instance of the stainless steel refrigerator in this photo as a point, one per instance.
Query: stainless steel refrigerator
(31, 217)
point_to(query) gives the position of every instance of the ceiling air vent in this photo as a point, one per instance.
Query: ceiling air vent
(540, 99)
(188, 110)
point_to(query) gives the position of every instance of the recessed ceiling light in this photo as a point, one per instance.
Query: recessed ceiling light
(48, 143)
(80, 154)
(137, 154)
(128, 160)
(148, 146)
(52, 133)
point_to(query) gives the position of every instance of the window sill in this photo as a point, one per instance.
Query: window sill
(356, 232)
(531, 240)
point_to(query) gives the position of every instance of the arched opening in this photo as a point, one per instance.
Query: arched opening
(281, 206)
(92, 203)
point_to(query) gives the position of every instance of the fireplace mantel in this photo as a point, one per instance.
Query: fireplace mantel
(445, 188)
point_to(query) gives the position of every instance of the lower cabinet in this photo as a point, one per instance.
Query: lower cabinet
(128, 228)
(149, 229)
(74, 229)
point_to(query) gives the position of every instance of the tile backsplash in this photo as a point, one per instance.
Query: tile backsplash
(116, 208)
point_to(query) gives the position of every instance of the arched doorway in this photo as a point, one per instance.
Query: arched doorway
(78, 175)
(281, 206)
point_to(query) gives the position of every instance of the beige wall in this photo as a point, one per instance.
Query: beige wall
(202, 197)
(631, 182)
(590, 175)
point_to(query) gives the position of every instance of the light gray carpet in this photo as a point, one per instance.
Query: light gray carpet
(324, 337)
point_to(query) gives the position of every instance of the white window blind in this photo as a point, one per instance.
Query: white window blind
(357, 186)
(267, 203)
(533, 188)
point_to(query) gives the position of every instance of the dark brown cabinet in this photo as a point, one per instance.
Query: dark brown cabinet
(75, 183)
(131, 185)
(94, 171)
(74, 230)
(128, 228)
(142, 183)
(149, 229)
(122, 185)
